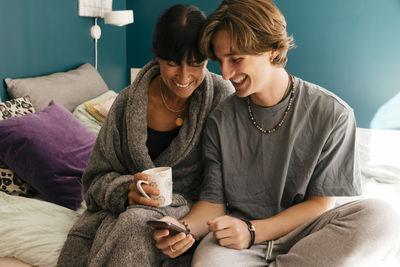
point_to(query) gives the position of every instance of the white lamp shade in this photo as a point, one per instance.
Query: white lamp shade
(119, 17)
(94, 8)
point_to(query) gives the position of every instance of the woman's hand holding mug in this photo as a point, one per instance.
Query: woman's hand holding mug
(152, 187)
(134, 195)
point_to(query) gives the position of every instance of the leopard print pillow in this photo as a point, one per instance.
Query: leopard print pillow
(10, 182)
(15, 108)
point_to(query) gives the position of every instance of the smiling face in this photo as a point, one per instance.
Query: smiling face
(182, 79)
(250, 74)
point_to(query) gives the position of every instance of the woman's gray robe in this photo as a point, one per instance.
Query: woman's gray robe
(108, 233)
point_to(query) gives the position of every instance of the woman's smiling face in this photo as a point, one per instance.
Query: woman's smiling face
(182, 79)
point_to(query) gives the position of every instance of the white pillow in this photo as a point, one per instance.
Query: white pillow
(379, 154)
(32, 230)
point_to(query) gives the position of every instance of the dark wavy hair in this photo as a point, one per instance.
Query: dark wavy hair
(177, 33)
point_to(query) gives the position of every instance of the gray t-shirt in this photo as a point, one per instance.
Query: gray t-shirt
(257, 175)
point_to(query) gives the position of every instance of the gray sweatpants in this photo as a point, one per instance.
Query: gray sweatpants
(359, 233)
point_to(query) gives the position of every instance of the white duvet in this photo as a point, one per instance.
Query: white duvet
(51, 223)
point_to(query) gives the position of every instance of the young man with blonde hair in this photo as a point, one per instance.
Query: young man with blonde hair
(277, 153)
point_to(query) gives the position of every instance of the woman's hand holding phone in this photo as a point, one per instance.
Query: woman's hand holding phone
(172, 228)
(171, 237)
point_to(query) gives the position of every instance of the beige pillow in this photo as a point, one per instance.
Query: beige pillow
(69, 89)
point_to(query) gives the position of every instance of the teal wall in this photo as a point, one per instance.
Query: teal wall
(351, 48)
(40, 37)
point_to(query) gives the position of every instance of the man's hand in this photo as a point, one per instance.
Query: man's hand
(230, 232)
(135, 197)
(175, 245)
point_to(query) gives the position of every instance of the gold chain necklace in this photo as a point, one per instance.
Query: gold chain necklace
(276, 127)
(179, 120)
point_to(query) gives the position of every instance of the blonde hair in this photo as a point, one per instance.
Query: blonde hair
(254, 27)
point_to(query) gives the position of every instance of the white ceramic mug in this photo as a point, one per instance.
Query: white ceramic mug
(161, 178)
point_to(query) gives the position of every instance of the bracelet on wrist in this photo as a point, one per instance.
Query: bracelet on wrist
(252, 231)
(186, 226)
(188, 229)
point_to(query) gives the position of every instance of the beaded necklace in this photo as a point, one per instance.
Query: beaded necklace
(277, 126)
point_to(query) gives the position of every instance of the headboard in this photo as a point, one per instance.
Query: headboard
(134, 72)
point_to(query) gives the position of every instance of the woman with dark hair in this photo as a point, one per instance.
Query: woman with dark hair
(156, 121)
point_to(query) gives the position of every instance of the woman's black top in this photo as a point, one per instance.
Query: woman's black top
(158, 141)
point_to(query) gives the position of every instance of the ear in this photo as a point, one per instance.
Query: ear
(274, 54)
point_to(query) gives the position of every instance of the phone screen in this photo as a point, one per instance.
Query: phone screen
(173, 229)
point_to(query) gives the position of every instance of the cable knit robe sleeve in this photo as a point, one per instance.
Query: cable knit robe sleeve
(106, 179)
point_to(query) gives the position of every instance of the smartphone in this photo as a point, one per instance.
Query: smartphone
(173, 228)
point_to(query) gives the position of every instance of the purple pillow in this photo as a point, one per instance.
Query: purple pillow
(49, 150)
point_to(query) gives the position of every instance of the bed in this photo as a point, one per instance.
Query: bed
(50, 121)
(39, 207)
